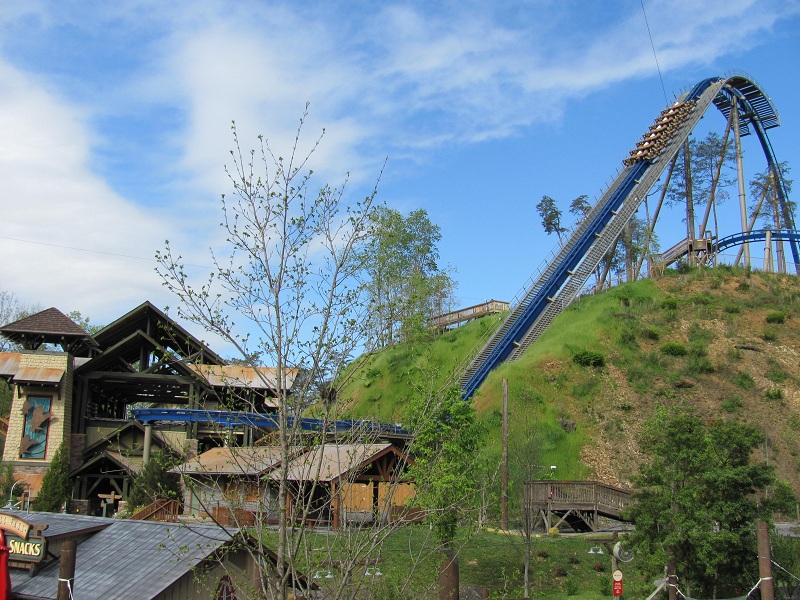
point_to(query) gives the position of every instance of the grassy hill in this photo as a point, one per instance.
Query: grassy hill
(724, 341)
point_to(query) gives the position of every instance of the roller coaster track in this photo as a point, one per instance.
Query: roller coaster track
(757, 235)
(566, 275)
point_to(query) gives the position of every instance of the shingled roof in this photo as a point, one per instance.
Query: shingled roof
(50, 322)
(49, 326)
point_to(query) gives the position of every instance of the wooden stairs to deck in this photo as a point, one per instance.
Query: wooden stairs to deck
(580, 504)
(162, 509)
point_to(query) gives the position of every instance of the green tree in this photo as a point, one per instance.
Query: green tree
(704, 156)
(550, 215)
(406, 285)
(697, 500)
(447, 440)
(56, 487)
(155, 482)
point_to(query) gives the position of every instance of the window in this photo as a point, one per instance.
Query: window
(37, 424)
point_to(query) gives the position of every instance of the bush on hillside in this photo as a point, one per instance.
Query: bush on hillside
(589, 358)
(674, 349)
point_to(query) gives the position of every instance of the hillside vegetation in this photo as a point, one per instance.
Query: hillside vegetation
(723, 341)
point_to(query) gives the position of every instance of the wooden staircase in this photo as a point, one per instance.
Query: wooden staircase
(163, 509)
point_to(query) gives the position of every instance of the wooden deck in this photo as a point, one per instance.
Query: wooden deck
(444, 321)
(578, 503)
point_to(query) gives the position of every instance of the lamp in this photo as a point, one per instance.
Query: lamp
(596, 550)
(10, 504)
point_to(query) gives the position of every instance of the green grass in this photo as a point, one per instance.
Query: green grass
(408, 561)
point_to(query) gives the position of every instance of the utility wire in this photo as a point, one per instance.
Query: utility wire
(3, 237)
(655, 56)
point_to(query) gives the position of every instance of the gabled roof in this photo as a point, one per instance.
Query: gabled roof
(164, 330)
(49, 326)
(123, 465)
(238, 376)
(250, 461)
(334, 461)
(111, 441)
(127, 560)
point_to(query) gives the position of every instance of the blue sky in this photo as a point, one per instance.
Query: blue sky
(115, 120)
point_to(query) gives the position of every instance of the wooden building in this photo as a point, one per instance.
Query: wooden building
(140, 560)
(343, 483)
(70, 386)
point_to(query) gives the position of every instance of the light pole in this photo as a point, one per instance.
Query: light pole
(10, 504)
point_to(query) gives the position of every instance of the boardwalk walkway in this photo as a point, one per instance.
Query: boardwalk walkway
(578, 503)
(444, 321)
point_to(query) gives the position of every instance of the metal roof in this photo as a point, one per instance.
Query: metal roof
(331, 461)
(126, 560)
(238, 376)
(9, 363)
(252, 460)
(38, 375)
(62, 525)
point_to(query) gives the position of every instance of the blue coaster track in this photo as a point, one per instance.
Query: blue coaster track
(567, 274)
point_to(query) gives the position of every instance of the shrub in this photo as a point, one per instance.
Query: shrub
(702, 299)
(698, 348)
(669, 304)
(589, 358)
(731, 404)
(775, 374)
(732, 309)
(571, 587)
(56, 487)
(699, 365)
(774, 394)
(650, 333)
(599, 567)
(744, 381)
(560, 571)
(154, 481)
(769, 335)
(674, 349)
(777, 317)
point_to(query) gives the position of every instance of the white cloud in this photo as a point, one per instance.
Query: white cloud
(383, 78)
(52, 198)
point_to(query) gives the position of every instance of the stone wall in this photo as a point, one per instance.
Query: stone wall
(60, 411)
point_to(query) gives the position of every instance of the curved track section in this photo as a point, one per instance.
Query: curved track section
(569, 271)
(758, 235)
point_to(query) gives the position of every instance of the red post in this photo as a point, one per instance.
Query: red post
(5, 577)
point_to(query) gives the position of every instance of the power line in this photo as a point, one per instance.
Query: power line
(39, 243)
(655, 56)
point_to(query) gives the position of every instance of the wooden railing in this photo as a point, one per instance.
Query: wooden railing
(160, 510)
(467, 314)
(557, 495)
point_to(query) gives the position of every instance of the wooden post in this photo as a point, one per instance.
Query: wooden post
(66, 570)
(504, 475)
(672, 581)
(766, 586)
(740, 174)
(336, 507)
(148, 442)
(448, 576)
